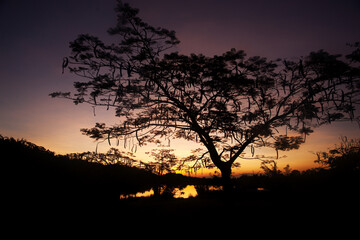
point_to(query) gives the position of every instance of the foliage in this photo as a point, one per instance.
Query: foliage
(165, 161)
(270, 168)
(111, 157)
(226, 103)
(344, 158)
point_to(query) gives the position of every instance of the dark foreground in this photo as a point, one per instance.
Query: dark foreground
(260, 211)
(41, 188)
(309, 209)
(249, 205)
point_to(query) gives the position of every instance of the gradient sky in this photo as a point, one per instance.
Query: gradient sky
(34, 37)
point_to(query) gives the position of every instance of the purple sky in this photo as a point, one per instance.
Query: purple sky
(35, 35)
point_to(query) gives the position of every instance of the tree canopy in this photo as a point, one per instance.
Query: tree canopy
(227, 103)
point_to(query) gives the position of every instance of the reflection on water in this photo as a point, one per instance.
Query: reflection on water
(188, 191)
(147, 193)
(175, 192)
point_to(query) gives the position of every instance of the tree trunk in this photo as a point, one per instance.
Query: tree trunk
(226, 177)
(225, 167)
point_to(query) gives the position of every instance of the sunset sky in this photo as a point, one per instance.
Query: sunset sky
(35, 34)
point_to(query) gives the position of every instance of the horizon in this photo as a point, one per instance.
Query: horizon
(203, 172)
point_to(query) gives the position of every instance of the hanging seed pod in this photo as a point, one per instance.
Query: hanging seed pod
(284, 85)
(121, 67)
(322, 107)
(129, 71)
(278, 92)
(96, 148)
(65, 63)
(108, 102)
(95, 51)
(109, 139)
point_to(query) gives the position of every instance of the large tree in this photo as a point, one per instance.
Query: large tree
(226, 103)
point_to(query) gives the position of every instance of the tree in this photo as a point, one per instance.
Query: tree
(227, 103)
(165, 161)
(343, 159)
(270, 168)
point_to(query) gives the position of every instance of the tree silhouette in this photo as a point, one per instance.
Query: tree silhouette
(343, 159)
(270, 168)
(165, 161)
(226, 103)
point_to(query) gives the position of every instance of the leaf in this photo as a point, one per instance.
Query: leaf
(286, 143)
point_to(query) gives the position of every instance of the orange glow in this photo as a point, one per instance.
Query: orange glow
(67, 139)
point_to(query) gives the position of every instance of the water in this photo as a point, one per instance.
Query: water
(188, 191)
(147, 193)
(175, 192)
(179, 192)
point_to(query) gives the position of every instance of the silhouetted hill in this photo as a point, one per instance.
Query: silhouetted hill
(33, 172)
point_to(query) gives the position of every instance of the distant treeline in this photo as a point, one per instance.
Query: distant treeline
(338, 170)
(35, 173)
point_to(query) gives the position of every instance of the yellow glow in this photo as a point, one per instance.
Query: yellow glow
(188, 191)
(147, 193)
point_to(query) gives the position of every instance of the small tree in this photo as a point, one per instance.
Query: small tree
(165, 161)
(270, 168)
(226, 103)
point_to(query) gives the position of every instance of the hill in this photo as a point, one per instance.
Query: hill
(33, 172)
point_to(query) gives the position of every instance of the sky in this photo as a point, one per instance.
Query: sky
(35, 36)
